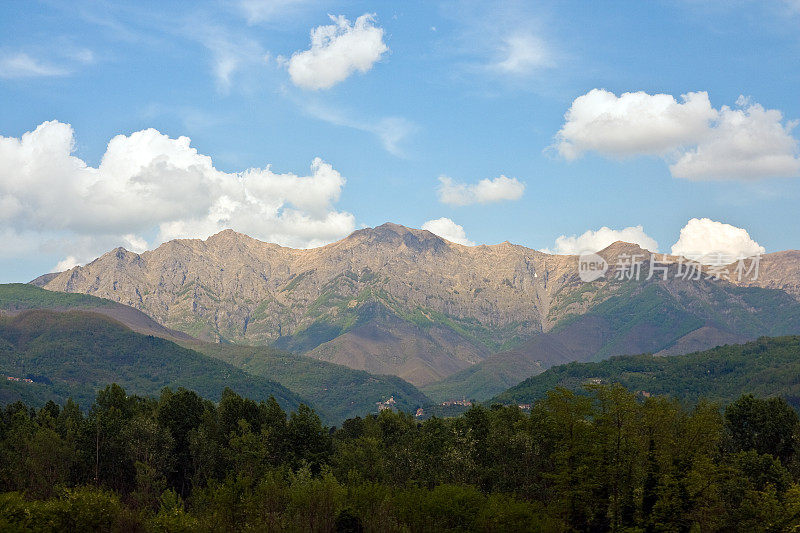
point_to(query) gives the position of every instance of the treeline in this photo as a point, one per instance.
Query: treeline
(602, 461)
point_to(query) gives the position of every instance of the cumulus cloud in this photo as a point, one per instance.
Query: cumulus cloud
(22, 65)
(65, 264)
(447, 229)
(700, 142)
(337, 51)
(522, 53)
(711, 242)
(633, 123)
(594, 241)
(747, 143)
(148, 183)
(484, 192)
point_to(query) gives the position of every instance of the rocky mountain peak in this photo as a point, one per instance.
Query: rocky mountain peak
(228, 234)
(118, 255)
(228, 237)
(396, 235)
(615, 251)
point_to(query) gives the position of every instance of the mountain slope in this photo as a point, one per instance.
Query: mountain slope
(765, 367)
(669, 317)
(382, 342)
(505, 369)
(73, 353)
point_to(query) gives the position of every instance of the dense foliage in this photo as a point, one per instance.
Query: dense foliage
(766, 367)
(602, 461)
(73, 353)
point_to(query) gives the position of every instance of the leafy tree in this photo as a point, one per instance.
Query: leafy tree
(766, 426)
(179, 413)
(103, 441)
(307, 440)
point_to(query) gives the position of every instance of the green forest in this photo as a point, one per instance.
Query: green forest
(603, 460)
(768, 366)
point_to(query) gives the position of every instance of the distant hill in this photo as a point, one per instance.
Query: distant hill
(337, 392)
(765, 367)
(16, 297)
(74, 353)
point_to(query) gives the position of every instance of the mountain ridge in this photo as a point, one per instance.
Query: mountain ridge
(437, 307)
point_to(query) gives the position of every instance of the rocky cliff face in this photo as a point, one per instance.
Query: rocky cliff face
(386, 299)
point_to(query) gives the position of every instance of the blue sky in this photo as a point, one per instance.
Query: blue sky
(396, 96)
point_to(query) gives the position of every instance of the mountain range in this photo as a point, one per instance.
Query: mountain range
(457, 321)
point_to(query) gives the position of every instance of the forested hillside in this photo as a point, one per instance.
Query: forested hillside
(654, 316)
(766, 367)
(337, 392)
(72, 353)
(18, 297)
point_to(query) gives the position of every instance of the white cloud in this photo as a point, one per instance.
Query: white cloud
(502, 42)
(522, 53)
(134, 243)
(594, 241)
(337, 51)
(79, 249)
(392, 131)
(710, 242)
(485, 191)
(81, 55)
(701, 142)
(633, 123)
(447, 229)
(746, 143)
(148, 183)
(21, 65)
(65, 264)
